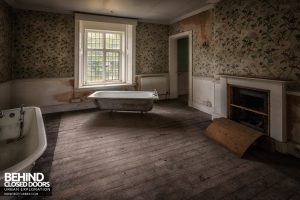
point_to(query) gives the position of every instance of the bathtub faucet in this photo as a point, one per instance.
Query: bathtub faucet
(22, 112)
(21, 119)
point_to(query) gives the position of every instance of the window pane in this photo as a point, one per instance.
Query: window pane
(112, 66)
(95, 40)
(94, 71)
(113, 41)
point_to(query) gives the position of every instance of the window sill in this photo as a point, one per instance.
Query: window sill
(108, 86)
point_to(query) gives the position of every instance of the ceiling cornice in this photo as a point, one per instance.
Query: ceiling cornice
(210, 4)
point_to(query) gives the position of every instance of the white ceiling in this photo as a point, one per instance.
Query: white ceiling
(157, 11)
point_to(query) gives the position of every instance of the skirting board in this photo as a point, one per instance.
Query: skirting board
(202, 108)
(294, 149)
(288, 148)
(68, 107)
(216, 115)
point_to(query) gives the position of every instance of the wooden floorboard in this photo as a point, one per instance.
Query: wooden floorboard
(159, 155)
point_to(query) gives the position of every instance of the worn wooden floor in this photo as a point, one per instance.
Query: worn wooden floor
(160, 155)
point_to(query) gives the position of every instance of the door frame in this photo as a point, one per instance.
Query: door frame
(173, 65)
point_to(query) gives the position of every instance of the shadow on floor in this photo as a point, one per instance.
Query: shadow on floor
(286, 164)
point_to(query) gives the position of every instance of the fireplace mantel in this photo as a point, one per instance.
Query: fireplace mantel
(277, 88)
(253, 78)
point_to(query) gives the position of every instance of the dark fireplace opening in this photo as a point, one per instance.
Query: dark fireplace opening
(249, 107)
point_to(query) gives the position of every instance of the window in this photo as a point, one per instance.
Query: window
(104, 51)
(103, 57)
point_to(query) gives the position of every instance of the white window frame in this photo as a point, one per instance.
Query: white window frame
(128, 48)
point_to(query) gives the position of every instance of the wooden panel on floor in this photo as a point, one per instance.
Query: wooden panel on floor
(232, 135)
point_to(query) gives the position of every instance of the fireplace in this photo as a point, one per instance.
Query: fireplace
(249, 107)
(268, 104)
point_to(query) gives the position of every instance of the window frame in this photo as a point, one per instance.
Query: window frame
(121, 52)
(89, 21)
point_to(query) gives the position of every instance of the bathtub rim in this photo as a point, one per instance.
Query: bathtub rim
(42, 145)
(154, 95)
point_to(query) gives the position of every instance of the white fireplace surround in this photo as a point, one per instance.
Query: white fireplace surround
(277, 88)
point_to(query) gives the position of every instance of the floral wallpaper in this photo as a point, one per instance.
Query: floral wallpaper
(5, 41)
(258, 38)
(43, 45)
(151, 48)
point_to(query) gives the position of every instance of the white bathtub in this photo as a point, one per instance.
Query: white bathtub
(125, 100)
(19, 155)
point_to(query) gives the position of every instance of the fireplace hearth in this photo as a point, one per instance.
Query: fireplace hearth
(249, 107)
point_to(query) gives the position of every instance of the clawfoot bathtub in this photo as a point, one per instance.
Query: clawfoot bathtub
(125, 100)
(22, 139)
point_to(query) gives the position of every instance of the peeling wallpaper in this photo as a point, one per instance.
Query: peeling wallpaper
(5, 41)
(201, 25)
(152, 44)
(258, 38)
(43, 45)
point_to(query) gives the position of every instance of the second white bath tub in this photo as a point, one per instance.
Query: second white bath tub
(125, 100)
